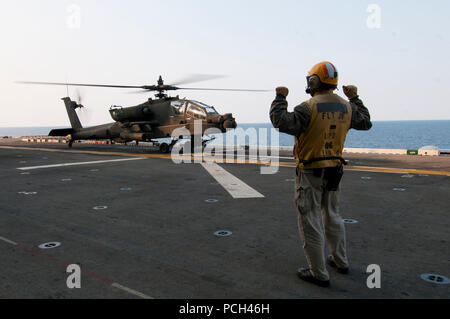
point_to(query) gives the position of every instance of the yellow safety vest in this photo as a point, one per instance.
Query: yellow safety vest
(325, 136)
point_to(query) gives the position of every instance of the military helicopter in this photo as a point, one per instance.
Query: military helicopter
(149, 121)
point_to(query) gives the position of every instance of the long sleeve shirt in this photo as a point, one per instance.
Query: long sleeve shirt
(296, 123)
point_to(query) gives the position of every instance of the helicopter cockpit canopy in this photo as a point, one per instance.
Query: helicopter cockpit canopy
(179, 106)
(208, 109)
(195, 111)
(193, 108)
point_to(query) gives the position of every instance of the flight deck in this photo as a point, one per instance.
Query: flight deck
(141, 226)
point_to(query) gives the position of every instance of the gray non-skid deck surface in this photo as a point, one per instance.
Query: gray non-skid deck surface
(157, 238)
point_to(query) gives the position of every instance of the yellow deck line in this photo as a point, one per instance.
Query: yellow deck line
(386, 170)
(396, 170)
(235, 161)
(82, 152)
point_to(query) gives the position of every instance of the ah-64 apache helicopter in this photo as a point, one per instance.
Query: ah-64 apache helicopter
(149, 121)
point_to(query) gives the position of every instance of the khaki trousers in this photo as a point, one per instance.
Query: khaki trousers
(318, 218)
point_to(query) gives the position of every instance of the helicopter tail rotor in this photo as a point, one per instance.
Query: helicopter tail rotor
(79, 98)
(84, 113)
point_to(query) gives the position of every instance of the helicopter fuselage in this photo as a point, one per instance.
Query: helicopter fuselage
(160, 117)
(148, 121)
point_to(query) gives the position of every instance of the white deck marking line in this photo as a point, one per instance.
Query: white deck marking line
(131, 291)
(236, 161)
(80, 163)
(232, 184)
(8, 241)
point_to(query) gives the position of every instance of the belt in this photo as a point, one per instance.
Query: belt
(312, 160)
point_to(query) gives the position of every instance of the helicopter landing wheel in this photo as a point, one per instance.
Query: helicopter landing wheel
(196, 144)
(70, 144)
(165, 148)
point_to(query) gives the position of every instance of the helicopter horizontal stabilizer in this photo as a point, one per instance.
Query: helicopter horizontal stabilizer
(61, 132)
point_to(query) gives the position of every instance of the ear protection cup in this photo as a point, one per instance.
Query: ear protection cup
(313, 83)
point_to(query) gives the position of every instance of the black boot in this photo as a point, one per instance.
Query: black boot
(332, 263)
(306, 275)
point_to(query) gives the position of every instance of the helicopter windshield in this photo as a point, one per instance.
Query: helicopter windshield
(208, 109)
(196, 111)
(179, 106)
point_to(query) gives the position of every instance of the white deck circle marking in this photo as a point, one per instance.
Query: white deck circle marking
(27, 193)
(223, 233)
(100, 207)
(399, 189)
(435, 279)
(366, 177)
(125, 189)
(211, 201)
(66, 180)
(50, 245)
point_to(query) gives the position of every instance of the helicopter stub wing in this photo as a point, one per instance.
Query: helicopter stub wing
(61, 132)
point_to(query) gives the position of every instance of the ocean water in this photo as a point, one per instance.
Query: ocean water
(25, 131)
(398, 134)
(389, 134)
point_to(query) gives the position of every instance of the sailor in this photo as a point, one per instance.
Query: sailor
(320, 126)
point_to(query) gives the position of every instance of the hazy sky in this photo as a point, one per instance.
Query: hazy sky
(401, 68)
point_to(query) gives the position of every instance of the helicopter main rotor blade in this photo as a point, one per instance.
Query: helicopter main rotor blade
(195, 78)
(82, 84)
(140, 92)
(146, 88)
(228, 90)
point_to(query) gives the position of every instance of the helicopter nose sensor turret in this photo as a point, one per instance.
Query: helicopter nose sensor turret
(228, 122)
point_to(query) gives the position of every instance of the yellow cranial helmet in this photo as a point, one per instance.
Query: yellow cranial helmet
(326, 72)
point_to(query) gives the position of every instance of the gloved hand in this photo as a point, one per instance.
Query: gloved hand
(350, 91)
(281, 90)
